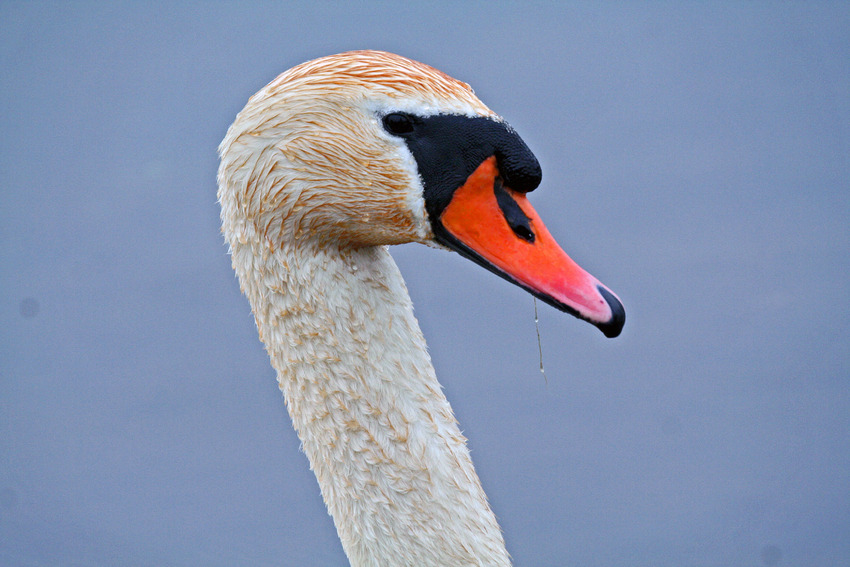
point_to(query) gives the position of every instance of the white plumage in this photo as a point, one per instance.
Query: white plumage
(312, 189)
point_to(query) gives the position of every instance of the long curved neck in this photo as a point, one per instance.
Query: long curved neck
(393, 467)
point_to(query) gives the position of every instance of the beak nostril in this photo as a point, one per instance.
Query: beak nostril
(523, 232)
(513, 213)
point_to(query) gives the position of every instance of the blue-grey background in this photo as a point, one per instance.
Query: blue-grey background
(695, 159)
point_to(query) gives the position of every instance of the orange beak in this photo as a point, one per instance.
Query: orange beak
(499, 229)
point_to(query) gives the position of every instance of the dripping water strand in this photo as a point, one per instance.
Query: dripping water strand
(539, 344)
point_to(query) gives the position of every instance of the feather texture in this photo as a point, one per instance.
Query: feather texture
(312, 189)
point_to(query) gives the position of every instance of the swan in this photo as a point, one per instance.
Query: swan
(326, 166)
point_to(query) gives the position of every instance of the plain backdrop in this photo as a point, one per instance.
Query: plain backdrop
(695, 158)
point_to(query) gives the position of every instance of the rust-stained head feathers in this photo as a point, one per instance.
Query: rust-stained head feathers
(307, 157)
(398, 78)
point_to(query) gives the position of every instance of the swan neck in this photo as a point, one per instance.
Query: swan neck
(351, 361)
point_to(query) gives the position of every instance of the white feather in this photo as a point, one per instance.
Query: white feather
(311, 191)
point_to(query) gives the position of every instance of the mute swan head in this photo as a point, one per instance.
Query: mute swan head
(369, 148)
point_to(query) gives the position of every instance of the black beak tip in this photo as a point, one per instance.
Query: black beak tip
(614, 326)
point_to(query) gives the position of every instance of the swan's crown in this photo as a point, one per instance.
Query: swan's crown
(308, 158)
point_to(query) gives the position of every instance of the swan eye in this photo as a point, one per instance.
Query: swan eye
(398, 123)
